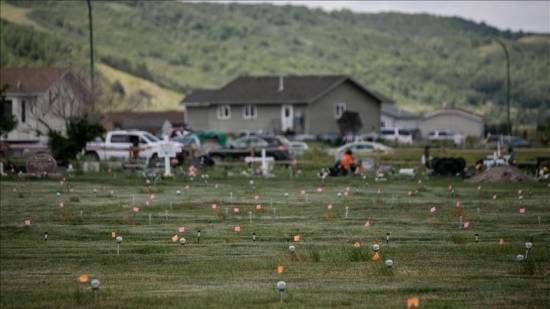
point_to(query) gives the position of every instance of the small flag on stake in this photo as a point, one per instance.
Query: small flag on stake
(214, 206)
(236, 210)
(237, 228)
(357, 244)
(329, 206)
(319, 190)
(457, 204)
(175, 238)
(433, 209)
(375, 257)
(367, 224)
(135, 209)
(494, 196)
(296, 237)
(413, 302)
(84, 278)
(181, 229)
(61, 204)
(28, 222)
(280, 269)
(258, 207)
(466, 225)
(522, 210)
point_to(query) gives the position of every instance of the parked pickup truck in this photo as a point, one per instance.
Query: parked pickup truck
(120, 145)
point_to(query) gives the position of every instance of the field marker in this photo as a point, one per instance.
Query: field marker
(528, 246)
(281, 286)
(250, 216)
(347, 211)
(94, 284)
(118, 241)
(387, 238)
(45, 236)
(519, 259)
(253, 236)
(476, 237)
(198, 236)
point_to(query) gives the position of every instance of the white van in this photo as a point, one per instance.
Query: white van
(401, 136)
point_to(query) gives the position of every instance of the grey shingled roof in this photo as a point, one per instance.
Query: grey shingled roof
(265, 89)
(392, 111)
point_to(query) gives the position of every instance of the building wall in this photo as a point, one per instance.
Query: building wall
(410, 124)
(43, 113)
(321, 114)
(455, 123)
(268, 119)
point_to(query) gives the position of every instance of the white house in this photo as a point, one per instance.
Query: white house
(40, 99)
(454, 120)
(393, 117)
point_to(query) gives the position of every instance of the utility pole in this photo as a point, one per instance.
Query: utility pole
(91, 52)
(507, 84)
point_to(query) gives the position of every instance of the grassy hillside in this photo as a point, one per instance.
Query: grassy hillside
(422, 61)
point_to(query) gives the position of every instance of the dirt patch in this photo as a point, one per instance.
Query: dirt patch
(500, 174)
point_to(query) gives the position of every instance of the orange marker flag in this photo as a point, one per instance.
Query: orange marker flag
(175, 238)
(413, 302)
(280, 269)
(375, 257)
(113, 234)
(84, 278)
(296, 237)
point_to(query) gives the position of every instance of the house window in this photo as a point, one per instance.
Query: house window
(5, 108)
(23, 111)
(224, 112)
(249, 111)
(339, 110)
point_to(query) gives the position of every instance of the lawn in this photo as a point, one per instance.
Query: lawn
(434, 257)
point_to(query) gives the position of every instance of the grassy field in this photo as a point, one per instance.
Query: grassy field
(435, 258)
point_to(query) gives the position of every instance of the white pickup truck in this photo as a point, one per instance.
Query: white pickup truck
(121, 145)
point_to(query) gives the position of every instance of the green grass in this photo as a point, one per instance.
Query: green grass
(434, 259)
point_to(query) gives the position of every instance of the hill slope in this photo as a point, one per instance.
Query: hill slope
(422, 61)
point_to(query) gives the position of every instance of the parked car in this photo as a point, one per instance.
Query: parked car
(443, 135)
(304, 138)
(359, 149)
(396, 135)
(297, 148)
(252, 145)
(507, 141)
(120, 144)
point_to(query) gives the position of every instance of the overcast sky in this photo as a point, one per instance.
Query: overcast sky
(514, 15)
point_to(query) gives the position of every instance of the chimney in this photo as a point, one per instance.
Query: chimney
(281, 84)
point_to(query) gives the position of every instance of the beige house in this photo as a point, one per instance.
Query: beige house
(453, 120)
(40, 99)
(301, 104)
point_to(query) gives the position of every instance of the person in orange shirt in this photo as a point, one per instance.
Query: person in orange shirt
(346, 163)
